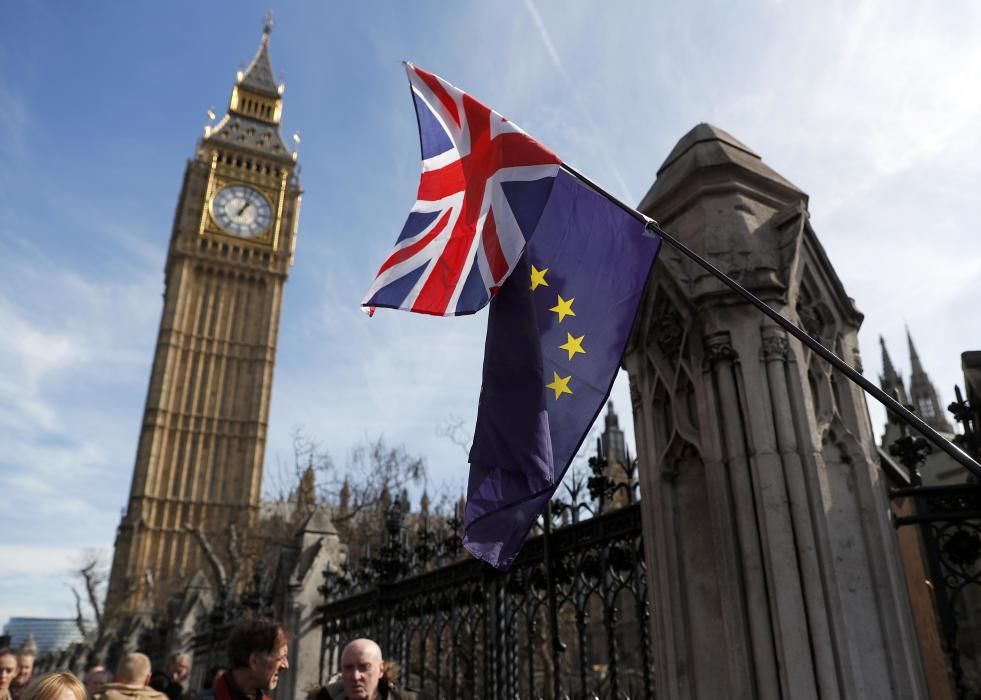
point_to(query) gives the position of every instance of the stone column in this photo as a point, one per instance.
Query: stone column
(316, 547)
(773, 564)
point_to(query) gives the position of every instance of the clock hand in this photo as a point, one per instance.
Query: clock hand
(242, 210)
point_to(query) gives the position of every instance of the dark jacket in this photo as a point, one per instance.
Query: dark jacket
(389, 690)
(161, 681)
(17, 690)
(226, 689)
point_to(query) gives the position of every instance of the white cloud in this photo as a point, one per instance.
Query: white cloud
(61, 328)
(67, 341)
(29, 354)
(575, 89)
(35, 580)
(36, 560)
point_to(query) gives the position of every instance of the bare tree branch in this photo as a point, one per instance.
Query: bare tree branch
(217, 568)
(235, 557)
(93, 579)
(353, 491)
(79, 618)
(452, 428)
(92, 572)
(376, 468)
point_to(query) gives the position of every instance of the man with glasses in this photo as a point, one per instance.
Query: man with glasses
(257, 652)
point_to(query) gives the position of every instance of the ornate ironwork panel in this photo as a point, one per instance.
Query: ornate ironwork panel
(949, 522)
(950, 527)
(570, 619)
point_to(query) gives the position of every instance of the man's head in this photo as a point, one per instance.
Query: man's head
(258, 650)
(179, 667)
(8, 667)
(134, 669)
(362, 668)
(25, 667)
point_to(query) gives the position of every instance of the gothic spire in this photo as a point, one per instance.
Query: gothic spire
(890, 380)
(612, 420)
(344, 498)
(258, 77)
(613, 445)
(923, 395)
(913, 357)
(889, 372)
(306, 490)
(255, 109)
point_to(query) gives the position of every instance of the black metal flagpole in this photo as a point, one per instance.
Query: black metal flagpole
(890, 403)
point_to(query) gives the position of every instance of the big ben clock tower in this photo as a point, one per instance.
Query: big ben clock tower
(200, 455)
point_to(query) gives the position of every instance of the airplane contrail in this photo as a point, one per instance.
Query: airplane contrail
(550, 48)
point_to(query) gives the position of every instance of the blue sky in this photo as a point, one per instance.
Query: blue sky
(870, 107)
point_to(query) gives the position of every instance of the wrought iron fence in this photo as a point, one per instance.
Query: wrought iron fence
(570, 619)
(949, 520)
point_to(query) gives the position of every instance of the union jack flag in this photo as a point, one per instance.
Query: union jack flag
(483, 187)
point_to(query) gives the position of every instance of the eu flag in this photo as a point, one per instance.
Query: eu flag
(555, 339)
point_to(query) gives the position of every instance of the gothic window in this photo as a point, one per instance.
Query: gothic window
(815, 316)
(926, 408)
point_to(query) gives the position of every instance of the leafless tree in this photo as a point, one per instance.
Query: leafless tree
(356, 492)
(91, 572)
(373, 471)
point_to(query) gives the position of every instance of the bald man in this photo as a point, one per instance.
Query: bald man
(363, 676)
(131, 680)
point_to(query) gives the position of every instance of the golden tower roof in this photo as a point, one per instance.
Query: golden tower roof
(255, 109)
(258, 76)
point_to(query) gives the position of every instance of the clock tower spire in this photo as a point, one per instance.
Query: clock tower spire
(202, 442)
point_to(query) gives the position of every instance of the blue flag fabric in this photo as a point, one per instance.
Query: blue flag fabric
(556, 335)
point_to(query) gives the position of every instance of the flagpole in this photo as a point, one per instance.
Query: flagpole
(893, 406)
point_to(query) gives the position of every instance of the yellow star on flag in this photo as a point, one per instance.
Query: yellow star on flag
(560, 385)
(538, 278)
(573, 345)
(563, 308)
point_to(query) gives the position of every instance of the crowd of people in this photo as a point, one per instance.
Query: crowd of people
(258, 652)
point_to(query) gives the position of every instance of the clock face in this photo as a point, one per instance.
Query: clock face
(241, 211)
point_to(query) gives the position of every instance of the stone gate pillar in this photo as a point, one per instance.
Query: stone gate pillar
(772, 561)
